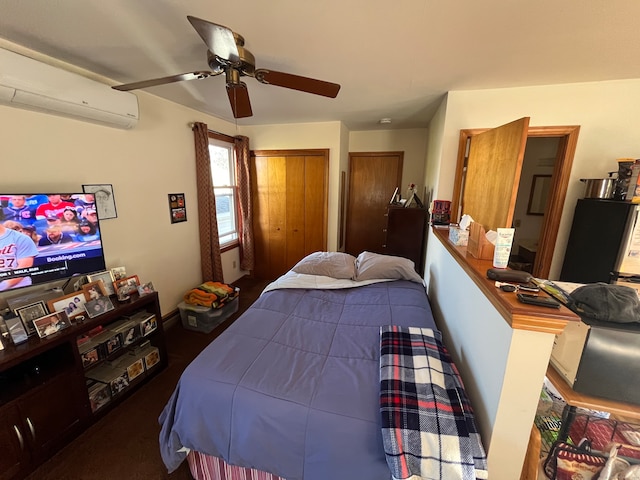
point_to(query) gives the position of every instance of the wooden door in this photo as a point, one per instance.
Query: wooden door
(493, 174)
(289, 191)
(373, 177)
(560, 181)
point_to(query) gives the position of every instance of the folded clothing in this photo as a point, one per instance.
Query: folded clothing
(211, 294)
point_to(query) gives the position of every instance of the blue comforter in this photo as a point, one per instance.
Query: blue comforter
(292, 387)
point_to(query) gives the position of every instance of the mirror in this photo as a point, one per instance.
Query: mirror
(540, 186)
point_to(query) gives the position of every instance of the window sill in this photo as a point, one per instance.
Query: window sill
(229, 246)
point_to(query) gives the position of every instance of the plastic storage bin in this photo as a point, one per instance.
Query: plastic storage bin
(205, 319)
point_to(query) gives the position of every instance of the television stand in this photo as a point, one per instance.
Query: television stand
(44, 388)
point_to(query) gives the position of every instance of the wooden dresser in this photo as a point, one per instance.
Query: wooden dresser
(405, 234)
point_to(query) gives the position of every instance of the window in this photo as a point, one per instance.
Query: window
(223, 172)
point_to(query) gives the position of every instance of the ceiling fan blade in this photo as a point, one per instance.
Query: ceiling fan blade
(164, 80)
(296, 82)
(218, 38)
(239, 99)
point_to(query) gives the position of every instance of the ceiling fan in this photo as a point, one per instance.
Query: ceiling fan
(226, 54)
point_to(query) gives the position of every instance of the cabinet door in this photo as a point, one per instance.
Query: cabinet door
(51, 414)
(13, 453)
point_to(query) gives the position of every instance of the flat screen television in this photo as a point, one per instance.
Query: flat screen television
(48, 237)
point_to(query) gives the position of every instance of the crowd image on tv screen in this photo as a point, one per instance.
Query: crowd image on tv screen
(31, 221)
(53, 219)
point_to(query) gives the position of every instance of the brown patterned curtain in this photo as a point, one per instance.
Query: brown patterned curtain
(211, 261)
(245, 227)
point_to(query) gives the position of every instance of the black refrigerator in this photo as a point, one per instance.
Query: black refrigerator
(604, 243)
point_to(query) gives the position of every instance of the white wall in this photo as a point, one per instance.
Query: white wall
(45, 153)
(606, 112)
(413, 142)
(502, 368)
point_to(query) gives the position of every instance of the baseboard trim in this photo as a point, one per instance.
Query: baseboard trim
(171, 319)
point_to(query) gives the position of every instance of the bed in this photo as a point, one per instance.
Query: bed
(293, 389)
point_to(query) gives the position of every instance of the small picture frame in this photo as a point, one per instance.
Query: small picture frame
(128, 284)
(135, 369)
(98, 306)
(177, 207)
(94, 290)
(105, 200)
(91, 356)
(148, 325)
(72, 304)
(145, 289)
(16, 330)
(107, 280)
(118, 273)
(52, 323)
(29, 313)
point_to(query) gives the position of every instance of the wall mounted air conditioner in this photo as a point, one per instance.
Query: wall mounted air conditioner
(28, 83)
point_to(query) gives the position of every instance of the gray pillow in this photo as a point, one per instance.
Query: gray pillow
(371, 266)
(330, 264)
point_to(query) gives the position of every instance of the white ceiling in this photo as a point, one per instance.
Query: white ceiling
(393, 58)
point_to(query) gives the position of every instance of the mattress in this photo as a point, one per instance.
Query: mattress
(292, 386)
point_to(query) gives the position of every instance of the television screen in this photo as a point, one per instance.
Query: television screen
(48, 237)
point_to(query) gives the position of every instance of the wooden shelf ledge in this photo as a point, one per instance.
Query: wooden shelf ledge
(518, 315)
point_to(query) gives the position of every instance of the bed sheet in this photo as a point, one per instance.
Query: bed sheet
(292, 387)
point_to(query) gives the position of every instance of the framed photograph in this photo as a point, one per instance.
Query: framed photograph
(177, 207)
(94, 290)
(98, 306)
(118, 273)
(16, 330)
(149, 325)
(128, 284)
(105, 200)
(145, 289)
(90, 356)
(72, 304)
(107, 280)
(29, 313)
(540, 187)
(135, 369)
(52, 323)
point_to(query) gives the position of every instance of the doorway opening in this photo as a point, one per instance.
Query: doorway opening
(564, 139)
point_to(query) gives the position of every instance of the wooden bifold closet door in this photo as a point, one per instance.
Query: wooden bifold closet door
(289, 192)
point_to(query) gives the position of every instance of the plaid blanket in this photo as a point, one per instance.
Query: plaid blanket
(428, 427)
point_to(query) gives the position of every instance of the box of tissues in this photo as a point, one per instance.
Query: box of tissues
(458, 236)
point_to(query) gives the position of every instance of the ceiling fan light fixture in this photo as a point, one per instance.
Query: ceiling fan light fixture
(226, 54)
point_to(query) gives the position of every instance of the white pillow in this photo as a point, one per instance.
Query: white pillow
(329, 264)
(371, 266)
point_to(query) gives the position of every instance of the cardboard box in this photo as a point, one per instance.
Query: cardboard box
(458, 236)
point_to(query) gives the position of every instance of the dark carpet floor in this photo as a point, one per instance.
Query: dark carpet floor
(123, 445)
